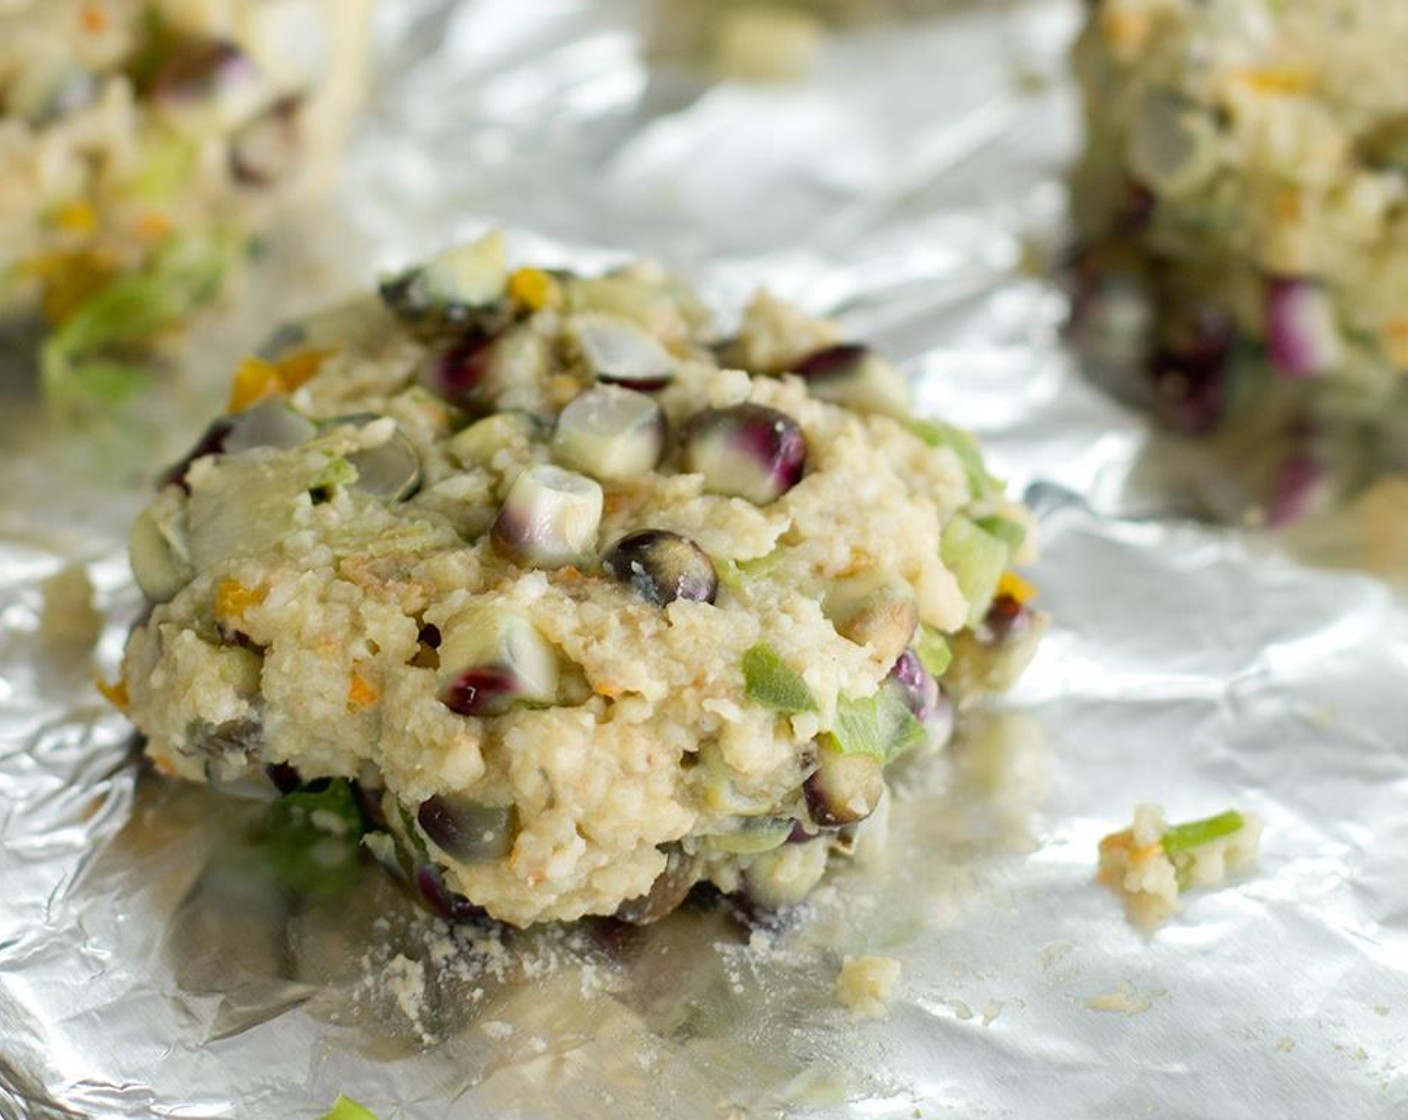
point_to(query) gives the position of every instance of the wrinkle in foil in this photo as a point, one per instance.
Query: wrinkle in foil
(151, 965)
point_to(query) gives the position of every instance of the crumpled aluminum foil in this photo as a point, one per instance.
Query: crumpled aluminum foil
(149, 965)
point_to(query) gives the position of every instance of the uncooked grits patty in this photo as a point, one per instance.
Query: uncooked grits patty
(1240, 200)
(142, 144)
(592, 603)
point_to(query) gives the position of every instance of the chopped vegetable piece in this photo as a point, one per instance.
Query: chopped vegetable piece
(534, 289)
(492, 658)
(773, 683)
(115, 694)
(662, 567)
(920, 690)
(852, 375)
(844, 788)
(881, 725)
(1014, 587)
(469, 832)
(1182, 837)
(550, 517)
(345, 1108)
(933, 649)
(747, 451)
(255, 380)
(1009, 532)
(133, 308)
(337, 471)
(311, 837)
(977, 559)
(938, 434)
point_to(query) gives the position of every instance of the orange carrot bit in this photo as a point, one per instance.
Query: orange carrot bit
(1395, 333)
(69, 280)
(300, 366)
(361, 695)
(254, 380)
(1127, 32)
(115, 694)
(233, 598)
(153, 226)
(1289, 206)
(94, 17)
(1015, 587)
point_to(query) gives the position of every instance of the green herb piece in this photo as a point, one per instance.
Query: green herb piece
(773, 683)
(881, 726)
(1007, 531)
(412, 832)
(764, 565)
(183, 276)
(734, 574)
(130, 311)
(108, 383)
(977, 559)
(337, 471)
(1184, 837)
(933, 650)
(938, 434)
(311, 837)
(345, 1108)
(729, 574)
(170, 162)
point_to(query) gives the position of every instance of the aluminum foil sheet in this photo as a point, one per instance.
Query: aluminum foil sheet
(153, 965)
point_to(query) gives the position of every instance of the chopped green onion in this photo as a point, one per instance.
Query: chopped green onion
(1183, 837)
(729, 574)
(131, 310)
(345, 1108)
(1011, 533)
(977, 560)
(337, 471)
(773, 683)
(933, 650)
(938, 434)
(311, 836)
(881, 726)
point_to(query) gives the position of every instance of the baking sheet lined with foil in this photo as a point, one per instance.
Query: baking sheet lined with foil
(154, 963)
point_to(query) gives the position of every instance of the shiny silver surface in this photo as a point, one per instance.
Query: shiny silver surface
(151, 964)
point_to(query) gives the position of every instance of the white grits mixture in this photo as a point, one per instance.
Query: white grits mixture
(591, 602)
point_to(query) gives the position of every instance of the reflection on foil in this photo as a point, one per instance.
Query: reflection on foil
(156, 961)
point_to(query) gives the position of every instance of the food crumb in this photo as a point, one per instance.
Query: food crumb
(767, 44)
(866, 984)
(405, 979)
(68, 620)
(1322, 716)
(497, 1029)
(1053, 955)
(1151, 863)
(1124, 1000)
(1285, 1044)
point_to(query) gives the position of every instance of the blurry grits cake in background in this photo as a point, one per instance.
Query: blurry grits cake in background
(1240, 208)
(143, 146)
(762, 40)
(591, 602)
